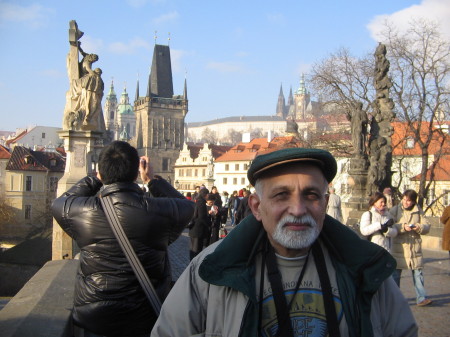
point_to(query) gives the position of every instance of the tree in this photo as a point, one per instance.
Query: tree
(209, 136)
(234, 137)
(420, 73)
(343, 81)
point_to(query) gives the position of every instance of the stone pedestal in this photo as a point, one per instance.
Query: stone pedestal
(82, 150)
(357, 204)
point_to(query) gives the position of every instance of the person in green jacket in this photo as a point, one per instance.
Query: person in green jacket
(288, 269)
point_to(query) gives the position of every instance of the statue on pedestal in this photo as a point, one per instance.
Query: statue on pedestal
(84, 98)
(359, 130)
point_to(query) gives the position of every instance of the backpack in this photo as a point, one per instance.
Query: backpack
(358, 229)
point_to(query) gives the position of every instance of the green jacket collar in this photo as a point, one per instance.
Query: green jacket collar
(231, 263)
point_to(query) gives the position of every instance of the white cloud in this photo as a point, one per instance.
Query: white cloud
(436, 10)
(169, 17)
(34, 15)
(91, 45)
(224, 67)
(276, 18)
(130, 47)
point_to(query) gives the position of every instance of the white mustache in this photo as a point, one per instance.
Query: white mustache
(304, 220)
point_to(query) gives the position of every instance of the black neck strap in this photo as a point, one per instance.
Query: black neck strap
(283, 309)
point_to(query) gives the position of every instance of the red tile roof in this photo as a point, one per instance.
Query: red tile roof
(15, 139)
(24, 159)
(402, 131)
(248, 151)
(4, 153)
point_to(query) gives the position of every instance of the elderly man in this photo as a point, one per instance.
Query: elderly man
(288, 269)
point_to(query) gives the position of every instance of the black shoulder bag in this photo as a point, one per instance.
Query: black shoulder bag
(131, 256)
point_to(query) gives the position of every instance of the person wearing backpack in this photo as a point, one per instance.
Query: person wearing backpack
(377, 223)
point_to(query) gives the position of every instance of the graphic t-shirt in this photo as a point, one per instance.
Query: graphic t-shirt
(307, 311)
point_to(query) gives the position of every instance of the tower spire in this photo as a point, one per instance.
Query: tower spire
(137, 89)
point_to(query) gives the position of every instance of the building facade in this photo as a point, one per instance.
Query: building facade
(196, 165)
(31, 182)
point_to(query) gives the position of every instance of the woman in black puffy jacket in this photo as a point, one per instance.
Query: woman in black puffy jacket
(108, 298)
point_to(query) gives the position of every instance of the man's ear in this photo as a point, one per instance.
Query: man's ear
(254, 202)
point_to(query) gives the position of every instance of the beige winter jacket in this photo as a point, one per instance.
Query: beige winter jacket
(407, 248)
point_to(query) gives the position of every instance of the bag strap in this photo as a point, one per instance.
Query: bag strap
(130, 254)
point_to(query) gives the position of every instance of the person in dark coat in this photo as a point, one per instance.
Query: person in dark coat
(199, 231)
(244, 208)
(109, 300)
(214, 217)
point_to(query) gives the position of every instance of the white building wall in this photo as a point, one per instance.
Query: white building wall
(40, 136)
(221, 129)
(231, 176)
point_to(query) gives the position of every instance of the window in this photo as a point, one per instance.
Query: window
(236, 167)
(165, 164)
(111, 114)
(227, 167)
(204, 173)
(28, 212)
(189, 173)
(43, 135)
(53, 184)
(245, 167)
(430, 196)
(28, 183)
(225, 181)
(196, 173)
(234, 181)
(242, 181)
(409, 143)
(446, 199)
(184, 159)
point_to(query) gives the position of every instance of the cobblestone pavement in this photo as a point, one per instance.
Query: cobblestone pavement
(432, 319)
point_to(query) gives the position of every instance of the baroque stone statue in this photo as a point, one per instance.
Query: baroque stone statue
(380, 145)
(359, 130)
(84, 97)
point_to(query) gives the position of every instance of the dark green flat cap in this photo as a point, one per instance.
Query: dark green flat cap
(263, 162)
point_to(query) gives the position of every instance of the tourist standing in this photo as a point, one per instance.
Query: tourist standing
(407, 249)
(334, 205)
(377, 222)
(201, 223)
(108, 299)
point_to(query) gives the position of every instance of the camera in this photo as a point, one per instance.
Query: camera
(411, 225)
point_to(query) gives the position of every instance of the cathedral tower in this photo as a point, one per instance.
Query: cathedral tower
(160, 116)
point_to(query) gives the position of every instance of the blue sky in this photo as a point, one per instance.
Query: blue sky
(235, 54)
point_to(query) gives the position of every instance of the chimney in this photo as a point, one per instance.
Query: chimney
(269, 136)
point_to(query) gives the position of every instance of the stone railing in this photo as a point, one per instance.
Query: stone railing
(43, 306)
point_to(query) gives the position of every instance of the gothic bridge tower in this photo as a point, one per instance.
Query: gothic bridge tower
(160, 116)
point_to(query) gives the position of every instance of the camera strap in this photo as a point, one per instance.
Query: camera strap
(130, 254)
(283, 308)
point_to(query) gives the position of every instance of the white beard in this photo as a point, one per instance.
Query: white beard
(296, 239)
